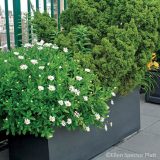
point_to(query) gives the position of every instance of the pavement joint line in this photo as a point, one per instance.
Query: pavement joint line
(142, 129)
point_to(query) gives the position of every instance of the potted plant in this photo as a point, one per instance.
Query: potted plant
(43, 89)
(114, 40)
(154, 71)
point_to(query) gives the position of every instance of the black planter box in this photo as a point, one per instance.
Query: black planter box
(3, 141)
(80, 145)
(154, 96)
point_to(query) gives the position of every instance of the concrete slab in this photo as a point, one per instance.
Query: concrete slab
(147, 121)
(144, 143)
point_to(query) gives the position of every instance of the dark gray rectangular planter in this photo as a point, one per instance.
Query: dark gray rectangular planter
(3, 140)
(154, 96)
(80, 145)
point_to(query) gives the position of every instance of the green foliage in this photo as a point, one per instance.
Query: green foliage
(43, 88)
(123, 35)
(78, 39)
(44, 26)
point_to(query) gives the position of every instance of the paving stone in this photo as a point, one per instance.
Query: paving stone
(147, 121)
(121, 154)
(154, 129)
(143, 143)
(150, 110)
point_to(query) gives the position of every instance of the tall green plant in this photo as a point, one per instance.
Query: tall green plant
(44, 26)
(123, 36)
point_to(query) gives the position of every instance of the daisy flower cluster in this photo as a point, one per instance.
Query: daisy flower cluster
(43, 88)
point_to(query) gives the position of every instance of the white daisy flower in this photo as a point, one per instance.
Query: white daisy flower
(20, 57)
(60, 102)
(106, 128)
(47, 45)
(71, 88)
(52, 119)
(78, 78)
(60, 67)
(51, 78)
(77, 92)
(67, 103)
(76, 114)
(27, 121)
(40, 43)
(34, 61)
(87, 70)
(48, 64)
(28, 45)
(85, 98)
(97, 116)
(5, 61)
(51, 87)
(69, 121)
(23, 67)
(102, 119)
(65, 50)
(88, 129)
(41, 67)
(112, 102)
(113, 94)
(40, 88)
(16, 53)
(55, 46)
(63, 123)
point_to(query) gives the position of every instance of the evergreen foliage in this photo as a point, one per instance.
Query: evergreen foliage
(44, 26)
(123, 35)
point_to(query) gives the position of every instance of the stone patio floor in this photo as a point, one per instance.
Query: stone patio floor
(144, 145)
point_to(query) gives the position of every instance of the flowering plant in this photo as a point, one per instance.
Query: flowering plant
(153, 64)
(43, 88)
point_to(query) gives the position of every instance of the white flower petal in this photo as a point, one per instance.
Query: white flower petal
(23, 67)
(106, 128)
(51, 78)
(78, 78)
(40, 88)
(67, 103)
(51, 87)
(27, 121)
(52, 119)
(87, 70)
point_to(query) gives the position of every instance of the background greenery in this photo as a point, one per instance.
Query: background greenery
(44, 26)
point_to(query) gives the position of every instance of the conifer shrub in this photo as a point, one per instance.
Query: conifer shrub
(123, 34)
(44, 26)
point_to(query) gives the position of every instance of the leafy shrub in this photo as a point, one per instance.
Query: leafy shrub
(123, 36)
(78, 39)
(44, 26)
(43, 88)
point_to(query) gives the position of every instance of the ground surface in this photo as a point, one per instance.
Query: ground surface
(144, 145)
